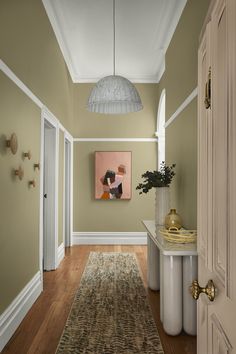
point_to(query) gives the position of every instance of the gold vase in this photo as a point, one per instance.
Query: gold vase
(173, 220)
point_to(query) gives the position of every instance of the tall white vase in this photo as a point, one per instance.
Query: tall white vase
(162, 204)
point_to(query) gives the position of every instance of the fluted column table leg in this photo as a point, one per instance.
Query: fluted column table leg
(161, 287)
(190, 305)
(172, 294)
(153, 266)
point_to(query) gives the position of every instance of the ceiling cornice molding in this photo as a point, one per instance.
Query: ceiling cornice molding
(177, 12)
(152, 80)
(167, 32)
(60, 39)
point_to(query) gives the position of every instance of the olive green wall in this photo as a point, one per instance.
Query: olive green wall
(61, 188)
(29, 47)
(180, 77)
(184, 153)
(120, 215)
(132, 125)
(179, 81)
(19, 208)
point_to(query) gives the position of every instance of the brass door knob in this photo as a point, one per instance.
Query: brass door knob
(209, 290)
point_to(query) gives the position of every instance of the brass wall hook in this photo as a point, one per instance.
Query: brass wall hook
(12, 143)
(19, 173)
(32, 183)
(27, 155)
(37, 166)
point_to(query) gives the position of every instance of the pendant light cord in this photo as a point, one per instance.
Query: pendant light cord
(114, 38)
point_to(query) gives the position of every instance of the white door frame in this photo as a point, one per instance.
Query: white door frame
(160, 132)
(47, 119)
(68, 139)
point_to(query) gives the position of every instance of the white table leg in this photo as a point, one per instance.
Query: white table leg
(172, 294)
(161, 287)
(153, 266)
(189, 304)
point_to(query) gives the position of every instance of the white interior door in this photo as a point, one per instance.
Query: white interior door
(50, 204)
(216, 182)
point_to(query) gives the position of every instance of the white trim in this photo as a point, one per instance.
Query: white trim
(71, 189)
(41, 198)
(69, 138)
(139, 140)
(182, 107)
(61, 127)
(60, 253)
(163, 93)
(17, 310)
(109, 238)
(137, 80)
(9, 73)
(56, 188)
(64, 189)
(161, 71)
(65, 52)
(50, 119)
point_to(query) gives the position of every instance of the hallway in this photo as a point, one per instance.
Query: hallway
(41, 329)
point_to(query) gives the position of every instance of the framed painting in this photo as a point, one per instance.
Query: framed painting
(113, 175)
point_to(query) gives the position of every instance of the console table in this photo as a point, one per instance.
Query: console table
(171, 269)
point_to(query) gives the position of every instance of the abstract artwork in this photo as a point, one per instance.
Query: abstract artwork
(112, 175)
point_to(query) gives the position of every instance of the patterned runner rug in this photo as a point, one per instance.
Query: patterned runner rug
(110, 313)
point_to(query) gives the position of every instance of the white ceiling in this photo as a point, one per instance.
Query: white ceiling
(84, 31)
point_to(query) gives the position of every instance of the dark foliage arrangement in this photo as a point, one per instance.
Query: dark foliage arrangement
(155, 179)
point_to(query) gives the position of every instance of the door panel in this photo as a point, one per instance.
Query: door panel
(220, 139)
(216, 181)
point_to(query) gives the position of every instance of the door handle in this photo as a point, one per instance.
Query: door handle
(45, 195)
(210, 290)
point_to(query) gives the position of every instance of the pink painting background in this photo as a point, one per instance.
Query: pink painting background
(110, 160)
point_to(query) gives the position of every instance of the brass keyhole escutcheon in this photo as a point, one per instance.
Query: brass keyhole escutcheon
(207, 100)
(210, 290)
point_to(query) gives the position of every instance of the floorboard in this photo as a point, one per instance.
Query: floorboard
(40, 331)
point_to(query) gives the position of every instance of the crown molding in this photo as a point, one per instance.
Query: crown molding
(165, 34)
(138, 140)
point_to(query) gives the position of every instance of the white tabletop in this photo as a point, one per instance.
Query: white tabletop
(168, 248)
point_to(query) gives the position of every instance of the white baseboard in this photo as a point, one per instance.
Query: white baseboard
(60, 253)
(109, 238)
(11, 318)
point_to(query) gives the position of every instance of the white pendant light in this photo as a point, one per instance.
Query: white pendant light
(114, 94)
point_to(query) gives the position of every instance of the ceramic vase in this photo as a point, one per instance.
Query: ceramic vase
(173, 220)
(162, 204)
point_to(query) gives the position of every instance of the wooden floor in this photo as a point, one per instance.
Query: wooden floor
(42, 327)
